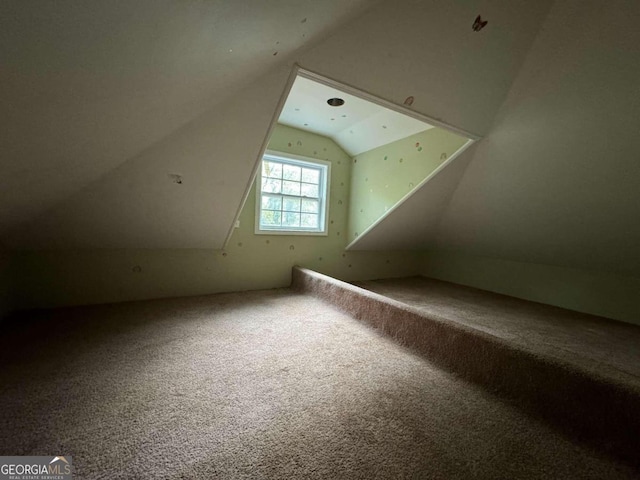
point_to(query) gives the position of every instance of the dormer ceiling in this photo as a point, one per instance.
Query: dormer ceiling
(357, 125)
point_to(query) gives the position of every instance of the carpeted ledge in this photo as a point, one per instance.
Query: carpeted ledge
(602, 412)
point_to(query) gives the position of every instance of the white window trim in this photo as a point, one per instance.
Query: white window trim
(324, 207)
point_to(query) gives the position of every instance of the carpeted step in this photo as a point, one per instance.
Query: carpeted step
(599, 408)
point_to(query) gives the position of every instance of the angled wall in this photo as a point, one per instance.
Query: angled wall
(381, 177)
(88, 85)
(412, 224)
(548, 208)
(556, 180)
(139, 205)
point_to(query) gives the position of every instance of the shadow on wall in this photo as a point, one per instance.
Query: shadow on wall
(381, 177)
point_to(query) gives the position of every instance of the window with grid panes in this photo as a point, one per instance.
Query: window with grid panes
(292, 195)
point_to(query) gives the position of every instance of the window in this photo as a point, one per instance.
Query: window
(292, 195)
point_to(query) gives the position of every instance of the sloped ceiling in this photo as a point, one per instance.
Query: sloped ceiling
(104, 102)
(89, 84)
(557, 181)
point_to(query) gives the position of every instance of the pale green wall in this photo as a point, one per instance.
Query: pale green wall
(249, 262)
(599, 293)
(272, 256)
(383, 176)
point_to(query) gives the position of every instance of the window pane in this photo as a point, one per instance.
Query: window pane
(271, 169)
(291, 188)
(290, 195)
(271, 203)
(271, 185)
(290, 219)
(292, 204)
(309, 220)
(310, 206)
(309, 190)
(310, 175)
(270, 218)
(291, 172)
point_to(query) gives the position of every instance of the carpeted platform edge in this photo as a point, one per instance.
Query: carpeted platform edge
(598, 411)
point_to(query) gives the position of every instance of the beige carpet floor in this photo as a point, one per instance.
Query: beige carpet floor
(270, 384)
(605, 347)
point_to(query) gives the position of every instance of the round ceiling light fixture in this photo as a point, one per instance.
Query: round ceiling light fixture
(335, 102)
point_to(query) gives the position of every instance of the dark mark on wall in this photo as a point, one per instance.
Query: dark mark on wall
(175, 178)
(137, 269)
(478, 24)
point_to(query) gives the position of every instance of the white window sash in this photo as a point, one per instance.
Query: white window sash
(323, 169)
